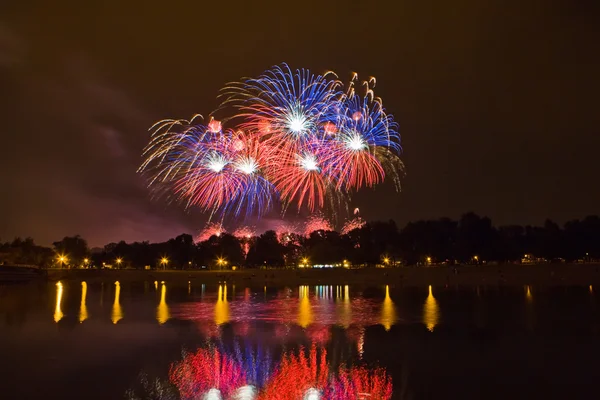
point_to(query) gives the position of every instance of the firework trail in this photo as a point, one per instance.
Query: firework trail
(296, 137)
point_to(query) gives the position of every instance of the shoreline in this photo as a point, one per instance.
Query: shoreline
(465, 275)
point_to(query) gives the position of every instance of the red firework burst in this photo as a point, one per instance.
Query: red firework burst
(355, 223)
(317, 222)
(211, 229)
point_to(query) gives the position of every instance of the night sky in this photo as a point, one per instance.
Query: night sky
(497, 101)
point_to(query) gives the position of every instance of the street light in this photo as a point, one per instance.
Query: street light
(386, 260)
(62, 259)
(221, 261)
(164, 261)
(119, 260)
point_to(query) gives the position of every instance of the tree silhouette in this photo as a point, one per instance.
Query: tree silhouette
(440, 240)
(73, 248)
(266, 250)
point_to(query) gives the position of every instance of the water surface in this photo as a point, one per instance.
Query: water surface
(72, 340)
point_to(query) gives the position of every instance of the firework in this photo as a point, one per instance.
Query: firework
(244, 232)
(211, 229)
(220, 172)
(317, 222)
(296, 137)
(289, 107)
(354, 223)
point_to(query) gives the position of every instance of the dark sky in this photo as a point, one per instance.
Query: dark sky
(498, 102)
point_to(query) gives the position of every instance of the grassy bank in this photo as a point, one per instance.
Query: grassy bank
(507, 274)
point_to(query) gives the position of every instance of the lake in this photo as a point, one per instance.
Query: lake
(156, 340)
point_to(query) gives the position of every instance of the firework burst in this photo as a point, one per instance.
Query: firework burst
(354, 223)
(244, 232)
(296, 137)
(317, 222)
(211, 229)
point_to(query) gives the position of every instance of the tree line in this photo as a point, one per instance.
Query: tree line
(471, 239)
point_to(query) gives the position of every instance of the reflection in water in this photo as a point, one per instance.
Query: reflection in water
(83, 314)
(388, 310)
(528, 295)
(162, 311)
(58, 314)
(529, 312)
(304, 308)
(360, 344)
(313, 377)
(101, 294)
(204, 371)
(247, 392)
(308, 309)
(345, 316)
(211, 372)
(257, 363)
(117, 312)
(431, 312)
(212, 394)
(222, 307)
